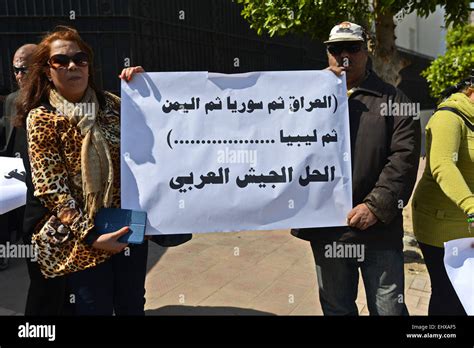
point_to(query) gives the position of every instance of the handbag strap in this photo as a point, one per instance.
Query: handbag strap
(460, 114)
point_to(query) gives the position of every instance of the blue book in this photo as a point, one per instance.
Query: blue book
(109, 220)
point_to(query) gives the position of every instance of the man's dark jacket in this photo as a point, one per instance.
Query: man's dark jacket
(12, 140)
(385, 156)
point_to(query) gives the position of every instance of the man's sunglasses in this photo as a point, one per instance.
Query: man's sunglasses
(61, 61)
(20, 69)
(337, 49)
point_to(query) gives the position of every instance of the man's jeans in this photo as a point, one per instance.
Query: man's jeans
(338, 279)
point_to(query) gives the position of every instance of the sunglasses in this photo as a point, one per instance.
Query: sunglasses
(20, 69)
(337, 49)
(62, 61)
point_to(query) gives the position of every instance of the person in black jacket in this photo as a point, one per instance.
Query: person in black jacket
(45, 297)
(385, 151)
(13, 143)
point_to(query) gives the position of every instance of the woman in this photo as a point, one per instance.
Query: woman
(73, 145)
(443, 203)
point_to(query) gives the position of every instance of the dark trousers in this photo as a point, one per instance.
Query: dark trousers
(114, 286)
(4, 229)
(11, 222)
(46, 296)
(444, 300)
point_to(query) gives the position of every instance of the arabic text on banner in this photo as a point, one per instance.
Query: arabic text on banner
(206, 152)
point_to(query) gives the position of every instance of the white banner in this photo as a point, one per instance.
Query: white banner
(459, 264)
(206, 152)
(12, 184)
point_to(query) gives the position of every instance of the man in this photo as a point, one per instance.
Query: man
(4, 92)
(13, 141)
(385, 155)
(20, 69)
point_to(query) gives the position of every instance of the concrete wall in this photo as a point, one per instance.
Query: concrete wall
(425, 36)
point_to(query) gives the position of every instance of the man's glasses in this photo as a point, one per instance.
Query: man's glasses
(61, 61)
(337, 49)
(20, 69)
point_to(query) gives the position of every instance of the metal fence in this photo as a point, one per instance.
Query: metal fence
(162, 35)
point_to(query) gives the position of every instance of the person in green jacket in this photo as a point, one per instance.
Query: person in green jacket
(443, 202)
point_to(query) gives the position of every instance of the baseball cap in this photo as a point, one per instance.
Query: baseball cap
(346, 31)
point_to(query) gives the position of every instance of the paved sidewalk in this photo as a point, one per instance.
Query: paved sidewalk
(250, 273)
(255, 272)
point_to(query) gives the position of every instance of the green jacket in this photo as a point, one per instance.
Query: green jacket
(444, 195)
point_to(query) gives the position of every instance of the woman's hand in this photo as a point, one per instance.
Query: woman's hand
(127, 73)
(109, 241)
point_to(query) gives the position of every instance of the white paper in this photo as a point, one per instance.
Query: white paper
(191, 187)
(12, 189)
(459, 264)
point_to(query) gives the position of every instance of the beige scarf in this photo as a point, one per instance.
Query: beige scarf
(96, 162)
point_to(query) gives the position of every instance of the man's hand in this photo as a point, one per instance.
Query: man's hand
(338, 70)
(361, 217)
(109, 241)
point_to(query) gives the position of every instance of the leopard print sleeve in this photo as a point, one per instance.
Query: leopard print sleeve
(54, 152)
(49, 173)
